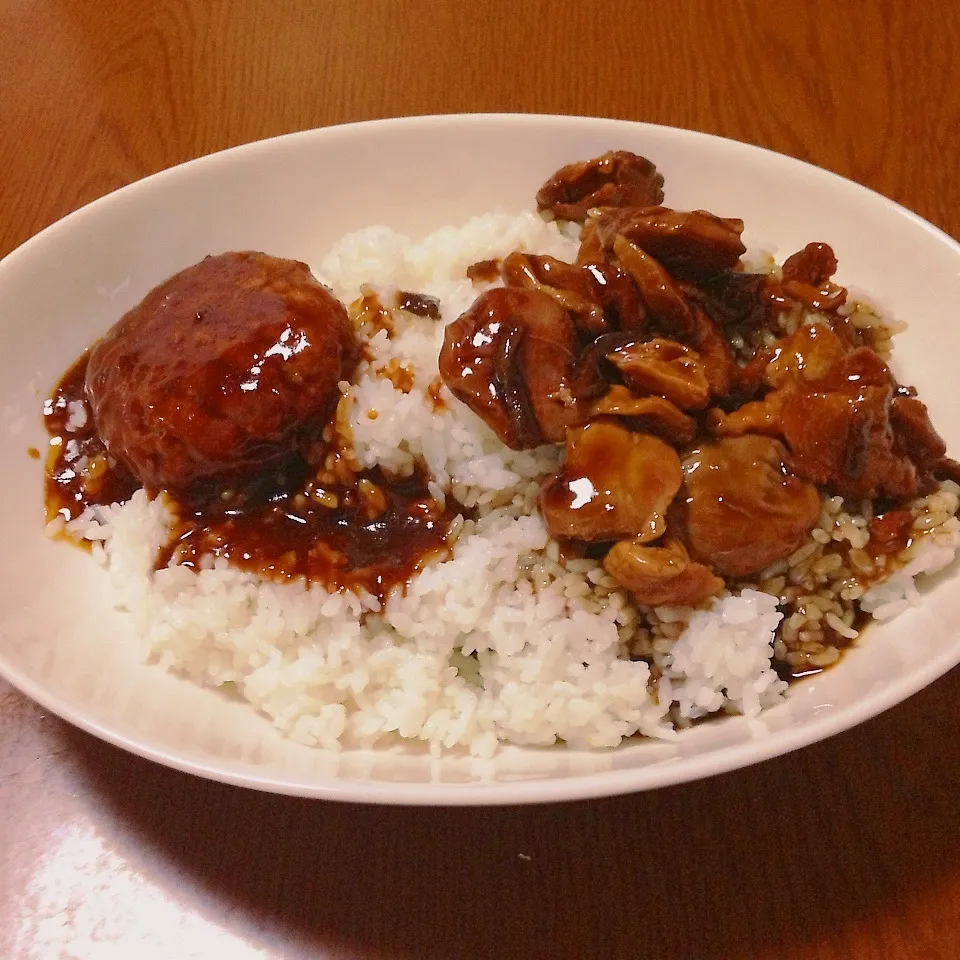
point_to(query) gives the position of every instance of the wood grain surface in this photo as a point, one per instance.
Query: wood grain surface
(849, 849)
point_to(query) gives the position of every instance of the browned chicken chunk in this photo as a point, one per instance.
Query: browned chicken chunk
(760, 416)
(509, 358)
(914, 432)
(661, 296)
(837, 412)
(220, 371)
(839, 432)
(736, 298)
(809, 354)
(613, 484)
(666, 368)
(890, 532)
(622, 304)
(690, 245)
(650, 414)
(661, 575)
(573, 287)
(814, 264)
(716, 356)
(806, 277)
(741, 508)
(616, 179)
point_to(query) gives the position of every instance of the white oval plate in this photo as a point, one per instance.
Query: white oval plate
(63, 644)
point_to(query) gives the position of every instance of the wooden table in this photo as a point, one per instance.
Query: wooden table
(847, 849)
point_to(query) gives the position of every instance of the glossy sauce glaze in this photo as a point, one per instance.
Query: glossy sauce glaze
(614, 484)
(79, 472)
(484, 271)
(373, 533)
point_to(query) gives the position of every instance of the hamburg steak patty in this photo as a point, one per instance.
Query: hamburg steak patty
(220, 371)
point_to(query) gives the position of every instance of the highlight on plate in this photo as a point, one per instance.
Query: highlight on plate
(578, 474)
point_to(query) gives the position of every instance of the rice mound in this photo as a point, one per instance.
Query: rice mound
(504, 640)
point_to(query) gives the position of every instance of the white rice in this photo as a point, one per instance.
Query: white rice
(927, 555)
(723, 657)
(500, 642)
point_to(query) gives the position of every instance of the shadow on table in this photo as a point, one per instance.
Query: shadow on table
(798, 849)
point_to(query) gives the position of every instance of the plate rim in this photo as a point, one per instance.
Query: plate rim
(547, 789)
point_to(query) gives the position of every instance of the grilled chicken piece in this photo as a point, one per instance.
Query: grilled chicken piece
(574, 288)
(691, 245)
(509, 358)
(814, 264)
(666, 368)
(614, 484)
(915, 433)
(716, 357)
(740, 508)
(648, 414)
(661, 296)
(662, 575)
(806, 277)
(618, 178)
(809, 354)
(839, 432)
(622, 304)
(735, 298)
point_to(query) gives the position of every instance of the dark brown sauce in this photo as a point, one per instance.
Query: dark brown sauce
(379, 533)
(484, 271)
(419, 304)
(373, 534)
(433, 392)
(890, 533)
(79, 471)
(368, 309)
(794, 672)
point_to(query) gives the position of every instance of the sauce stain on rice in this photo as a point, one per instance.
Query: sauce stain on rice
(376, 534)
(79, 472)
(372, 532)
